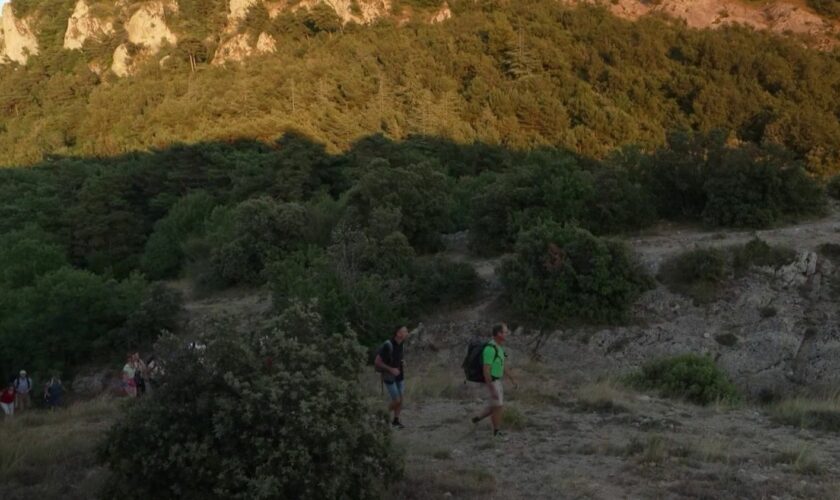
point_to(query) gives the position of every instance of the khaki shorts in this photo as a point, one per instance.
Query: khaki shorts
(499, 399)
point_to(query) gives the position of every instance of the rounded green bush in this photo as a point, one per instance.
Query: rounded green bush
(274, 414)
(560, 272)
(691, 377)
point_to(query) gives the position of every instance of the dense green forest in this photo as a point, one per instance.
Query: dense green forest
(84, 240)
(516, 74)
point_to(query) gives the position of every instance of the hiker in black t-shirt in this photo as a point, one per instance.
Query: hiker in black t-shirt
(389, 363)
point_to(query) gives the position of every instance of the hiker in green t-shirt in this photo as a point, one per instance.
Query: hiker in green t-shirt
(493, 357)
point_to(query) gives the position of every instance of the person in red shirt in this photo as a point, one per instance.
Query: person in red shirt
(7, 400)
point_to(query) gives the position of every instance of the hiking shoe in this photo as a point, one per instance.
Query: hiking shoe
(475, 420)
(397, 424)
(500, 436)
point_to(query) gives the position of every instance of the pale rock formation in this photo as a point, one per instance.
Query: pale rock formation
(17, 39)
(239, 8)
(368, 10)
(266, 44)
(147, 27)
(122, 61)
(82, 25)
(441, 15)
(234, 49)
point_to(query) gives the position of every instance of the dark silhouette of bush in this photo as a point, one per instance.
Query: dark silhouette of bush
(690, 377)
(563, 272)
(275, 413)
(833, 187)
(697, 273)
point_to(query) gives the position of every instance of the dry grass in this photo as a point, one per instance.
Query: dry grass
(604, 397)
(435, 484)
(809, 413)
(801, 458)
(40, 451)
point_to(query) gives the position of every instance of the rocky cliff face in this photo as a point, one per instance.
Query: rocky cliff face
(779, 16)
(147, 28)
(83, 25)
(17, 39)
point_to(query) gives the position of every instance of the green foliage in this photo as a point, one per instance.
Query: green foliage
(829, 8)
(690, 377)
(287, 394)
(164, 254)
(563, 272)
(418, 195)
(548, 186)
(258, 231)
(63, 318)
(698, 273)
(440, 282)
(157, 312)
(522, 74)
(758, 253)
(26, 255)
(833, 188)
(701, 177)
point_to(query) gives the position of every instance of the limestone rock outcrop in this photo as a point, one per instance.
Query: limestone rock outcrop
(147, 27)
(83, 25)
(17, 39)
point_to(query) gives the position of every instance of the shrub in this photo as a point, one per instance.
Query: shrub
(257, 232)
(833, 187)
(164, 253)
(547, 187)
(63, 319)
(419, 193)
(158, 312)
(697, 273)
(691, 377)
(561, 272)
(437, 281)
(273, 414)
(621, 203)
(26, 255)
(757, 253)
(757, 188)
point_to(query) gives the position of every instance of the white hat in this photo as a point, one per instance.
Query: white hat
(23, 372)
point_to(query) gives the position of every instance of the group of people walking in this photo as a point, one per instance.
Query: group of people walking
(489, 356)
(17, 395)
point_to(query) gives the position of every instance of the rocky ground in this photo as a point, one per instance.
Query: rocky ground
(575, 434)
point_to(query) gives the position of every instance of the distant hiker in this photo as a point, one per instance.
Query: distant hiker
(139, 374)
(7, 399)
(493, 373)
(54, 393)
(129, 382)
(153, 373)
(389, 363)
(23, 386)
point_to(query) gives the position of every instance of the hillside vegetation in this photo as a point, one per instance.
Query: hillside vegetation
(517, 74)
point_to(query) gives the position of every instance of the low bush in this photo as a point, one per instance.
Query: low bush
(833, 187)
(563, 272)
(694, 378)
(758, 253)
(697, 273)
(805, 413)
(437, 281)
(273, 414)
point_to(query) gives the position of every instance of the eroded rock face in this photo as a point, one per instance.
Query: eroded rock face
(266, 44)
(122, 61)
(18, 39)
(147, 27)
(82, 26)
(234, 49)
(779, 17)
(239, 8)
(441, 15)
(360, 11)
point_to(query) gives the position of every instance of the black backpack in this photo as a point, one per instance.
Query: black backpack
(473, 364)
